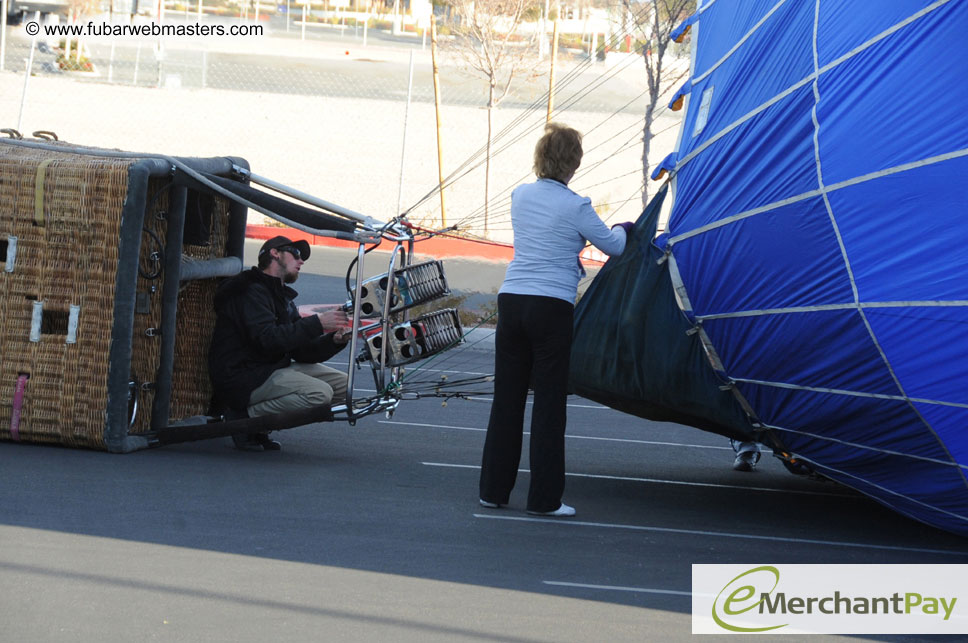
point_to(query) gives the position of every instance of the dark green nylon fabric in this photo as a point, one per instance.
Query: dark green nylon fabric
(631, 351)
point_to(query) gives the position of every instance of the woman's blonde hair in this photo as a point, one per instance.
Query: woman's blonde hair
(558, 153)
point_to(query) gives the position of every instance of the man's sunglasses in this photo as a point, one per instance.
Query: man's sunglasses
(294, 251)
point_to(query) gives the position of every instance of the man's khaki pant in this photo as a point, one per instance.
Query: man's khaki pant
(298, 386)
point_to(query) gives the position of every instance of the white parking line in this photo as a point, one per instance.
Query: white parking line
(567, 522)
(597, 407)
(572, 437)
(658, 481)
(344, 365)
(617, 588)
(443, 370)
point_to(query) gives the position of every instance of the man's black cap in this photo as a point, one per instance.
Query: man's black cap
(280, 241)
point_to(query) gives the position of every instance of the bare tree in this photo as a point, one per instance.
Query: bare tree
(654, 21)
(487, 40)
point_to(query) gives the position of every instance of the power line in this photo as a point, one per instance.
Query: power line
(461, 171)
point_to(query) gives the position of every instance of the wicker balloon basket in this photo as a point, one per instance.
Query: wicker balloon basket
(108, 267)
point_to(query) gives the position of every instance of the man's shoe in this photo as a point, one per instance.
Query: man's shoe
(255, 442)
(746, 461)
(561, 512)
(246, 442)
(490, 505)
(267, 443)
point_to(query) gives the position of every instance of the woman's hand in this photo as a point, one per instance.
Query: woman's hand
(625, 225)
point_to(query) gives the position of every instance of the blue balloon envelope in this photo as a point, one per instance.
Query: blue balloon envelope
(817, 244)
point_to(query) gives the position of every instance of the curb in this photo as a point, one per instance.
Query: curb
(479, 339)
(437, 247)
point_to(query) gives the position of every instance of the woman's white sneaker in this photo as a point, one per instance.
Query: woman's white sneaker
(561, 512)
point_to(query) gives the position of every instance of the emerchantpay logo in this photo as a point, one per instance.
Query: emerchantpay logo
(829, 599)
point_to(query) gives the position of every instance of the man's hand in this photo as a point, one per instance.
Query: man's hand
(343, 335)
(334, 320)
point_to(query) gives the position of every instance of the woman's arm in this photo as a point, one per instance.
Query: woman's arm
(611, 242)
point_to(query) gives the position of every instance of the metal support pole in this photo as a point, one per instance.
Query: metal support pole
(354, 341)
(440, 154)
(3, 32)
(308, 198)
(175, 217)
(381, 383)
(137, 60)
(160, 46)
(406, 117)
(122, 316)
(111, 62)
(30, 64)
(542, 45)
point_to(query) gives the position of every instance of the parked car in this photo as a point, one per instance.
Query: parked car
(18, 9)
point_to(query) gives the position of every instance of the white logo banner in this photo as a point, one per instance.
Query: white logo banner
(829, 599)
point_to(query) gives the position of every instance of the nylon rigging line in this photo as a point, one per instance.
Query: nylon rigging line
(497, 147)
(503, 197)
(588, 168)
(537, 104)
(502, 200)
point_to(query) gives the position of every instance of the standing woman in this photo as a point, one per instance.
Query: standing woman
(535, 313)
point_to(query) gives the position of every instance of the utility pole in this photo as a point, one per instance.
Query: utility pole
(440, 153)
(551, 76)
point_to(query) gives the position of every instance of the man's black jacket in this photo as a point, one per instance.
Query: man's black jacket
(257, 331)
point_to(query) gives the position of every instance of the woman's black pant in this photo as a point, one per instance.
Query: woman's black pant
(532, 347)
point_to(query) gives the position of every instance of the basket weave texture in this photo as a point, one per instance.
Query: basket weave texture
(70, 258)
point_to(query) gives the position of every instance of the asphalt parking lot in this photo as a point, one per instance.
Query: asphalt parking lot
(374, 532)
